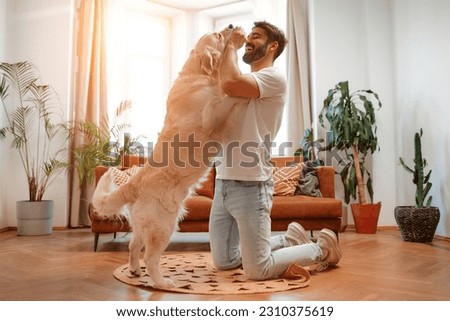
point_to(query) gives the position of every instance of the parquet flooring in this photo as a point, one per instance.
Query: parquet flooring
(63, 266)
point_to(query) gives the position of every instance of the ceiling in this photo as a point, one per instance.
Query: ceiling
(196, 5)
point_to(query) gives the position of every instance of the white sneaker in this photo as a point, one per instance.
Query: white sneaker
(328, 243)
(296, 235)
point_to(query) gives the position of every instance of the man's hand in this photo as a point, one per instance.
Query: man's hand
(233, 82)
(237, 38)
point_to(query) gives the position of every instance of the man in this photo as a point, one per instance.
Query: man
(240, 231)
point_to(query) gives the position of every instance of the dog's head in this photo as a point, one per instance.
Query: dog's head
(209, 50)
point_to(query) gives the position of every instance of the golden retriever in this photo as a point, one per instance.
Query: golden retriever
(198, 114)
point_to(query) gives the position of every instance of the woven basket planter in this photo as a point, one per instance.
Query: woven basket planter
(417, 224)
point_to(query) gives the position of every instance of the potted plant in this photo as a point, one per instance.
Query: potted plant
(102, 146)
(418, 223)
(351, 118)
(94, 151)
(310, 147)
(33, 117)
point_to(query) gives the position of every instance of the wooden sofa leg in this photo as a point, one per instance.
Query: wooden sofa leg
(96, 241)
(337, 234)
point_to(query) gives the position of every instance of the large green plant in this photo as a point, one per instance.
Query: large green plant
(33, 116)
(420, 179)
(310, 147)
(351, 118)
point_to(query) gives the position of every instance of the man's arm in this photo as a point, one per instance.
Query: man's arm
(233, 82)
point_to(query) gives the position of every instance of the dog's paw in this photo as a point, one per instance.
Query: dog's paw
(135, 272)
(166, 284)
(107, 210)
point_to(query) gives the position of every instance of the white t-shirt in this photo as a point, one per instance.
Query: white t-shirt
(246, 155)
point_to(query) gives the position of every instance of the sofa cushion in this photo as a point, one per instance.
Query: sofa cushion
(207, 187)
(101, 224)
(286, 179)
(301, 206)
(198, 207)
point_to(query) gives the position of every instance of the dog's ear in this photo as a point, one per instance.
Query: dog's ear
(209, 59)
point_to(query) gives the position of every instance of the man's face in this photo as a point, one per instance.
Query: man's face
(256, 46)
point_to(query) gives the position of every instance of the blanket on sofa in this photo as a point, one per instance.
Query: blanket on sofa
(309, 182)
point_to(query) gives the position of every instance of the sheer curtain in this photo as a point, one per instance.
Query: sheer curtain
(274, 11)
(298, 105)
(89, 94)
(292, 17)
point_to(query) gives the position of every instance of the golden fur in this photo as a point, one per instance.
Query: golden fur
(197, 111)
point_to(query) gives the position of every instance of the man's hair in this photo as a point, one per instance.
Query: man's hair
(273, 34)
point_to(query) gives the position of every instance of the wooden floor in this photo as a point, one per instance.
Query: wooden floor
(62, 266)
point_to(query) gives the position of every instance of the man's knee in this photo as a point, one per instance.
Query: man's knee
(256, 272)
(256, 275)
(224, 265)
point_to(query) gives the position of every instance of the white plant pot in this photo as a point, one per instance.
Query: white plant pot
(34, 218)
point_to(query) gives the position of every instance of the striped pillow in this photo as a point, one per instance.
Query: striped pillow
(286, 179)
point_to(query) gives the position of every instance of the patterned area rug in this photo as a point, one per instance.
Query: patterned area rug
(194, 273)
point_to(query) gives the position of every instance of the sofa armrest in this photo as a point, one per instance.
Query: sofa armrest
(325, 174)
(99, 171)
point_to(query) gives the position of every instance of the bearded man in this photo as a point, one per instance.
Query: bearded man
(240, 226)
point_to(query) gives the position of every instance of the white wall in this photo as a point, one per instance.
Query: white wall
(422, 54)
(380, 77)
(352, 42)
(400, 49)
(3, 30)
(38, 31)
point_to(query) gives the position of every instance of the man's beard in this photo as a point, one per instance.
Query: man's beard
(256, 54)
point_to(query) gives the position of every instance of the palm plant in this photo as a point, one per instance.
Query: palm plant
(33, 117)
(101, 144)
(95, 150)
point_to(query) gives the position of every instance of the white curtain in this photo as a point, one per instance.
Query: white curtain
(292, 16)
(89, 94)
(298, 105)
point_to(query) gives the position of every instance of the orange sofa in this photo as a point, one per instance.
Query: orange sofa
(314, 213)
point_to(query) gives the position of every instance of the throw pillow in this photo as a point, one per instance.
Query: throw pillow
(286, 179)
(309, 182)
(122, 176)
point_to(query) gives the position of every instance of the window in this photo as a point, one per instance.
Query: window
(149, 44)
(146, 74)
(140, 70)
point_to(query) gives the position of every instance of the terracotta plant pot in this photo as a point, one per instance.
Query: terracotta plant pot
(366, 217)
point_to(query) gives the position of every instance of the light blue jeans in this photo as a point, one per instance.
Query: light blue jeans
(240, 232)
